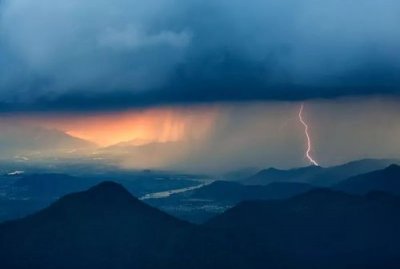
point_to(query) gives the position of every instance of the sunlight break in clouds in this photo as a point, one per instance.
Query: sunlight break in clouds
(139, 127)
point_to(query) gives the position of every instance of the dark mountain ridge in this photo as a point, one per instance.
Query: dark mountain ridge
(387, 180)
(319, 229)
(319, 176)
(235, 192)
(103, 227)
(106, 227)
(271, 175)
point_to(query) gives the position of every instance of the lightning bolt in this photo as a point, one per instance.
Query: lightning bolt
(309, 145)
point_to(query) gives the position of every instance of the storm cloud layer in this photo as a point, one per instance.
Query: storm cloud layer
(95, 54)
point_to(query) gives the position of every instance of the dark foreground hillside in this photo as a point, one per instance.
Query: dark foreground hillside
(106, 227)
(319, 229)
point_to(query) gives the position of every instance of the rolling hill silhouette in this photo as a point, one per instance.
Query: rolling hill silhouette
(318, 176)
(387, 180)
(234, 192)
(318, 229)
(106, 227)
(271, 175)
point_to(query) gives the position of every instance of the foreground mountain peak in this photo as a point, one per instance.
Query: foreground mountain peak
(393, 167)
(103, 193)
(108, 187)
(103, 227)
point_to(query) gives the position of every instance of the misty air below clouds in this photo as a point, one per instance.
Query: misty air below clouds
(97, 55)
(210, 138)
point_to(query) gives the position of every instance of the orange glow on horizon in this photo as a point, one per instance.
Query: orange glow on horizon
(137, 127)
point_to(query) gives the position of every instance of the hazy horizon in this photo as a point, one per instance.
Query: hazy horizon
(212, 137)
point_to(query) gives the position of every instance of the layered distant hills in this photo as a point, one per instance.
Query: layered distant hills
(234, 192)
(200, 204)
(291, 220)
(317, 175)
(24, 193)
(387, 180)
(106, 227)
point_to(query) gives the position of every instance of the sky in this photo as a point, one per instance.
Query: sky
(227, 76)
(96, 54)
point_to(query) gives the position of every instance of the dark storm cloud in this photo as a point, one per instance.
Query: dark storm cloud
(96, 54)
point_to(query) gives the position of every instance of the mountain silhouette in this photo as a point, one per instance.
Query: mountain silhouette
(387, 180)
(106, 227)
(318, 229)
(271, 175)
(199, 205)
(234, 192)
(103, 227)
(335, 174)
(319, 176)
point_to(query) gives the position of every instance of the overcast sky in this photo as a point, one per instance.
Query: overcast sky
(224, 79)
(97, 55)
